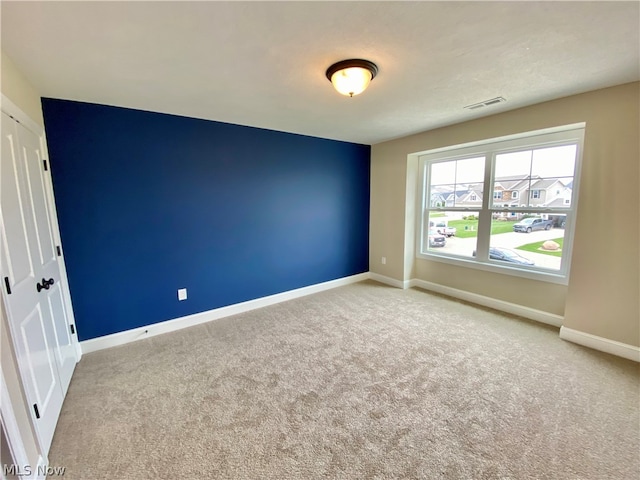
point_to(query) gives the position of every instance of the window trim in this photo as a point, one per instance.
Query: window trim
(489, 148)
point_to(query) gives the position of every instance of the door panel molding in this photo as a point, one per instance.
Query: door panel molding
(32, 158)
(37, 353)
(12, 194)
(65, 348)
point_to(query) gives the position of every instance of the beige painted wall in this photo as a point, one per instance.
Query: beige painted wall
(15, 86)
(602, 295)
(21, 93)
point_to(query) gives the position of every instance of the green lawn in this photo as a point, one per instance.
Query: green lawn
(535, 248)
(472, 227)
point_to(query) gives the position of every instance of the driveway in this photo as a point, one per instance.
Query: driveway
(512, 240)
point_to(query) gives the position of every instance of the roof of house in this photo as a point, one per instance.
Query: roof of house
(558, 202)
(545, 183)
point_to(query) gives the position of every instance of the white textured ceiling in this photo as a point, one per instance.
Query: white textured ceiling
(263, 63)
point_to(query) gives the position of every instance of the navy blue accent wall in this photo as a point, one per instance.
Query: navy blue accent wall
(149, 203)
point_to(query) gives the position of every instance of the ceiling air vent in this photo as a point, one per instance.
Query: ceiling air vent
(486, 103)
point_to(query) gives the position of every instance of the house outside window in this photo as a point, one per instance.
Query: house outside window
(526, 240)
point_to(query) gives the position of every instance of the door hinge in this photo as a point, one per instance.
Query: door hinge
(45, 165)
(73, 329)
(35, 408)
(59, 250)
(7, 285)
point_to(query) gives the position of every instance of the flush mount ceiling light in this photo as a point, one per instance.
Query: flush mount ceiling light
(351, 77)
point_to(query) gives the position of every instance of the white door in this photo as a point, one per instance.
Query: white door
(47, 258)
(31, 278)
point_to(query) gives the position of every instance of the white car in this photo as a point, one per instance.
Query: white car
(444, 229)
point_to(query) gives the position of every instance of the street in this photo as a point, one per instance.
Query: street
(511, 240)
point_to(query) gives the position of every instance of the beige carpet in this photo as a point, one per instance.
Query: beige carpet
(360, 382)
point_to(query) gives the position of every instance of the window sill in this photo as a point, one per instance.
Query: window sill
(556, 277)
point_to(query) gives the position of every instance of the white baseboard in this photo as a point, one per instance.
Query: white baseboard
(600, 343)
(581, 338)
(389, 281)
(134, 334)
(526, 312)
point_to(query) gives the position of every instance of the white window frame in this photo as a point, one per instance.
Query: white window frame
(551, 137)
(514, 195)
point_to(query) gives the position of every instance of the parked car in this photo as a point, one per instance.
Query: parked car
(528, 225)
(506, 255)
(436, 239)
(444, 229)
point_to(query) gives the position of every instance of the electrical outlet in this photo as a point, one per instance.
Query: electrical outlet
(384, 260)
(182, 294)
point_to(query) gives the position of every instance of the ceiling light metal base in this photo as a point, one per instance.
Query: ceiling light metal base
(355, 62)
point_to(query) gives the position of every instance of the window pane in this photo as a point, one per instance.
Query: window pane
(530, 239)
(535, 178)
(514, 164)
(470, 170)
(442, 196)
(468, 195)
(456, 183)
(512, 177)
(443, 173)
(452, 233)
(554, 162)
